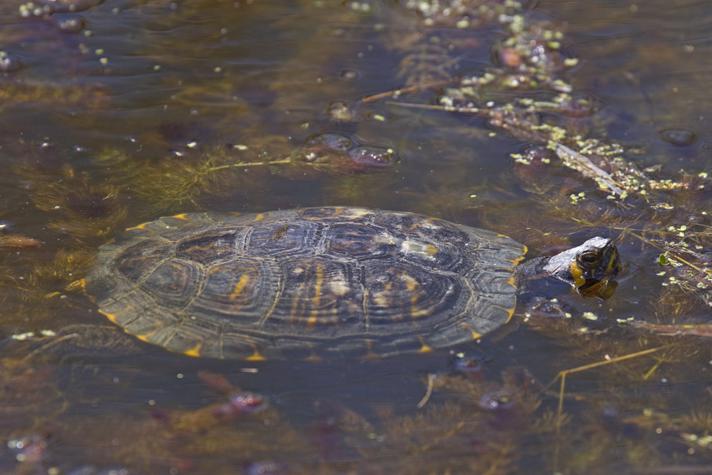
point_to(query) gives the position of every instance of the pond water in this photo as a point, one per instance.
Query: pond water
(117, 112)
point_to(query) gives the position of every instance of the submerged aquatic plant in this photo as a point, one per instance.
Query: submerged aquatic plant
(78, 206)
(22, 93)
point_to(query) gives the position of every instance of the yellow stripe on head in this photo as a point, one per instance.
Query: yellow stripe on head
(577, 274)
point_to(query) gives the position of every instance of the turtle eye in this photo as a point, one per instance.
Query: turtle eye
(588, 257)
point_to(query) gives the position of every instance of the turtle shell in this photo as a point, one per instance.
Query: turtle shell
(306, 281)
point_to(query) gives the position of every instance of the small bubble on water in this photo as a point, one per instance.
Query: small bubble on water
(69, 23)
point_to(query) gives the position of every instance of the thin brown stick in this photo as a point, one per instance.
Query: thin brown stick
(674, 256)
(284, 161)
(45, 347)
(675, 470)
(618, 359)
(405, 90)
(428, 391)
(586, 167)
(561, 376)
(433, 107)
(680, 329)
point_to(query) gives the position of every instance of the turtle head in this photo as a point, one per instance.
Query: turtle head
(590, 268)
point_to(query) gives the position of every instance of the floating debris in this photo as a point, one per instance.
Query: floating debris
(678, 137)
(18, 241)
(68, 23)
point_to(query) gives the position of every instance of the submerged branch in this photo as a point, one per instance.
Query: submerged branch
(394, 94)
(569, 157)
(680, 329)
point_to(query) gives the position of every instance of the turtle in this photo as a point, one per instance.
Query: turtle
(306, 282)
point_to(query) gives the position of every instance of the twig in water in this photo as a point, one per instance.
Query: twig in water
(586, 167)
(284, 161)
(428, 391)
(682, 329)
(570, 158)
(566, 372)
(406, 90)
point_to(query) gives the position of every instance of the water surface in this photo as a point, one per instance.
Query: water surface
(127, 119)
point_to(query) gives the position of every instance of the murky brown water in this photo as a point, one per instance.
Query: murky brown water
(126, 111)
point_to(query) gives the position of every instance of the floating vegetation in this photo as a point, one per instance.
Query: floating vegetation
(27, 395)
(432, 56)
(66, 267)
(18, 241)
(175, 182)
(78, 206)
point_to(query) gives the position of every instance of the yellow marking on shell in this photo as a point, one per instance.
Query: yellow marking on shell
(313, 358)
(338, 286)
(577, 274)
(418, 312)
(517, 260)
(381, 299)
(194, 352)
(473, 334)
(239, 287)
(512, 281)
(52, 295)
(424, 347)
(357, 212)
(510, 313)
(259, 217)
(431, 250)
(255, 356)
(412, 285)
(138, 227)
(109, 316)
(316, 299)
(181, 216)
(296, 301)
(80, 284)
(370, 355)
(145, 336)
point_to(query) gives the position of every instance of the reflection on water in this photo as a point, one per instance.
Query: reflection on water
(115, 113)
